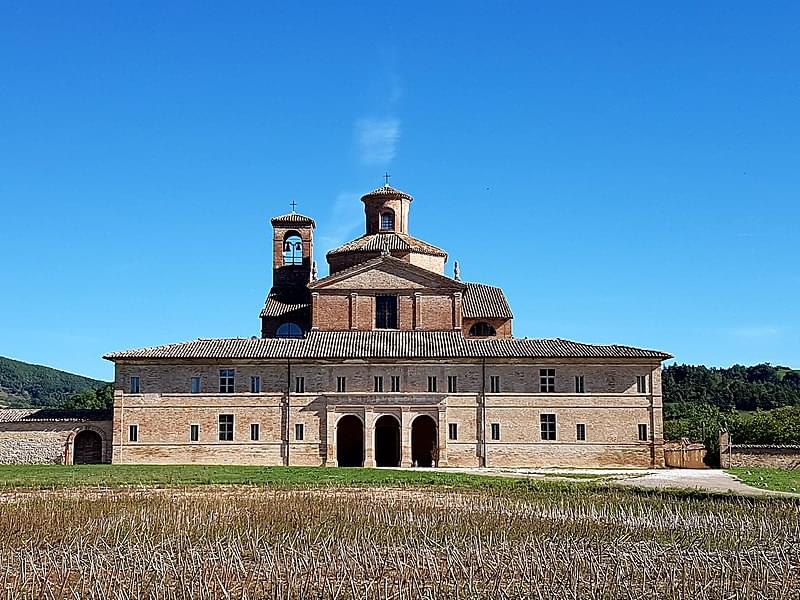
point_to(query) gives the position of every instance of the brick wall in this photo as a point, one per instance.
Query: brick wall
(611, 409)
(502, 326)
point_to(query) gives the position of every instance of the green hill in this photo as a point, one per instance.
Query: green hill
(23, 384)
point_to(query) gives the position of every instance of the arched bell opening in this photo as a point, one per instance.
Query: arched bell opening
(292, 248)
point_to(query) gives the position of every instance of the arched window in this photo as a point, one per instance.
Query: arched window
(482, 329)
(289, 330)
(292, 249)
(387, 221)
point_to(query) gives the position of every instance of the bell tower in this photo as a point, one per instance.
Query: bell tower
(292, 250)
(287, 310)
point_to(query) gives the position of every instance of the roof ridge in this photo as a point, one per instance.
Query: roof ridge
(385, 344)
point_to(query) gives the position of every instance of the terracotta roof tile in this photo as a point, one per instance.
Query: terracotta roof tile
(281, 302)
(293, 219)
(387, 190)
(485, 301)
(384, 344)
(23, 415)
(397, 242)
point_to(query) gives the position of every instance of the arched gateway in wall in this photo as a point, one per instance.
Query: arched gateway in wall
(349, 442)
(87, 448)
(424, 444)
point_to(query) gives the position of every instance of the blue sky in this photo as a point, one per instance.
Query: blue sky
(627, 172)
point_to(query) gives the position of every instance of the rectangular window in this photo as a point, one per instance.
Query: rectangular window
(495, 431)
(452, 384)
(548, 425)
(134, 385)
(341, 384)
(642, 432)
(226, 381)
(378, 383)
(452, 431)
(195, 385)
(579, 387)
(432, 383)
(133, 433)
(547, 380)
(580, 432)
(494, 384)
(299, 432)
(395, 383)
(300, 385)
(194, 433)
(255, 431)
(255, 384)
(641, 384)
(226, 428)
(385, 312)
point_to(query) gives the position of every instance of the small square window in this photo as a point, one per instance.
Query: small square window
(580, 432)
(452, 384)
(547, 380)
(226, 381)
(494, 384)
(341, 384)
(395, 383)
(255, 432)
(299, 432)
(195, 385)
(643, 432)
(134, 385)
(299, 385)
(432, 383)
(133, 433)
(641, 384)
(194, 433)
(452, 431)
(226, 428)
(548, 426)
(495, 431)
(378, 383)
(579, 386)
(255, 384)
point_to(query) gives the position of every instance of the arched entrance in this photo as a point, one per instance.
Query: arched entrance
(349, 442)
(387, 442)
(423, 441)
(87, 448)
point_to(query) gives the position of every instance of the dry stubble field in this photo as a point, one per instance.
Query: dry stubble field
(543, 540)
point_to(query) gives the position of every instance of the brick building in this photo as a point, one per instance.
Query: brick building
(387, 361)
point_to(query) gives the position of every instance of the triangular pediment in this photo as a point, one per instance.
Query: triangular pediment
(386, 273)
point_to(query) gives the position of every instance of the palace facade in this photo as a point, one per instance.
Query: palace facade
(387, 361)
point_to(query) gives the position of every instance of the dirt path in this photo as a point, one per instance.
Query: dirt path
(706, 480)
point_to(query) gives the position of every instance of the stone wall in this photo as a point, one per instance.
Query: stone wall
(47, 442)
(774, 457)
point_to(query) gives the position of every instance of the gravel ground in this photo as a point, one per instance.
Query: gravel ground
(707, 480)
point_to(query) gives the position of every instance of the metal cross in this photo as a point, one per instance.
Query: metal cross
(386, 178)
(293, 205)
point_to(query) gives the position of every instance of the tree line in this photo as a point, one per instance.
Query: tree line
(759, 404)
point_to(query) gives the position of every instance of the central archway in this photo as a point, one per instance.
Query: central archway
(349, 442)
(87, 448)
(423, 441)
(387, 442)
